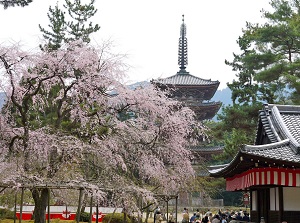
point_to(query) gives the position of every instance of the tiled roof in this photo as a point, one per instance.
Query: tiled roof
(217, 168)
(185, 79)
(282, 122)
(268, 127)
(277, 151)
(292, 121)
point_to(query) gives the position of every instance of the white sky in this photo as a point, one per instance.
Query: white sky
(148, 31)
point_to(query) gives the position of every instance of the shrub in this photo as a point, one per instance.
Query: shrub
(6, 214)
(84, 216)
(115, 218)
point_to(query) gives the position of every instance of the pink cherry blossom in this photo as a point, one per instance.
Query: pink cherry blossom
(125, 141)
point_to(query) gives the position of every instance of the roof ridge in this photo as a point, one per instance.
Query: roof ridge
(272, 127)
(266, 146)
(284, 130)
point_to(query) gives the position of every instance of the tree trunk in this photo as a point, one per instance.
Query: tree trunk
(40, 197)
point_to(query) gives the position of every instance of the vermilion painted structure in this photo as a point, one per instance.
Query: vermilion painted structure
(65, 212)
(270, 169)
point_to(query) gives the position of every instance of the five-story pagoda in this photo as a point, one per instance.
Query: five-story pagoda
(193, 91)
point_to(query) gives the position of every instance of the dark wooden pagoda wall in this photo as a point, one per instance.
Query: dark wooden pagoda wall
(200, 93)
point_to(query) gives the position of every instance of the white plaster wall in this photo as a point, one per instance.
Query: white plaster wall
(274, 199)
(254, 200)
(291, 198)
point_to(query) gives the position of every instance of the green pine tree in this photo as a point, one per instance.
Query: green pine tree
(12, 3)
(268, 67)
(80, 14)
(65, 28)
(58, 26)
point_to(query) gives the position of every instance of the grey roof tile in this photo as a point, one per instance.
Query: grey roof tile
(185, 79)
(292, 121)
(282, 150)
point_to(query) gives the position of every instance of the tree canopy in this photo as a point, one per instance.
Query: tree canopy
(71, 26)
(269, 60)
(12, 3)
(267, 71)
(146, 149)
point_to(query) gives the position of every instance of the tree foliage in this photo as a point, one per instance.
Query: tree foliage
(269, 60)
(72, 27)
(267, 71)
(129, 156)
(236, 126)
(12, 3)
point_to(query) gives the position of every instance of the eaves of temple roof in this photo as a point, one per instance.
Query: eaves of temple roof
(185, 79)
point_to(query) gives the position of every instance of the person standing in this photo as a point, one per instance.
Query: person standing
(158, 217)
(224, 219)
(216, 219)
(155, 212)
(233, 219)
(246, 217)
(193, 218)
(205, 219)
(185, 216)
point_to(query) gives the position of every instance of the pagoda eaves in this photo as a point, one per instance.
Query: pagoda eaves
(189, 89)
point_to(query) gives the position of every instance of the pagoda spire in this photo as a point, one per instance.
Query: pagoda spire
(182, 49)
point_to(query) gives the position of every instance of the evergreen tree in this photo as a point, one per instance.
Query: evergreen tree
(58, 27)
(237, 126)
(12, 3)
(80, 14)
(269, 62)
(267, 70)
(65, 29)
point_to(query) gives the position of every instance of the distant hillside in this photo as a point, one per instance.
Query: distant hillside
(223, 96)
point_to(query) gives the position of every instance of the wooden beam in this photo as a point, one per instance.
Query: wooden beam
(91, 210)
(15, 209)
(176, 207)
(48, 206)
(79, 205)
(21, 205)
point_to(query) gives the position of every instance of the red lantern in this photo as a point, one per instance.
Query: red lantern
(246, 198)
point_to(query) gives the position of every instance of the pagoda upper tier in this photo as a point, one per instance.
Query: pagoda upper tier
(188, 86)
(193, 91)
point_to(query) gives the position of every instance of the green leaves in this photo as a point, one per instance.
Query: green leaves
(269, 56)
(58, 27)
(12, 3)
(64, 30)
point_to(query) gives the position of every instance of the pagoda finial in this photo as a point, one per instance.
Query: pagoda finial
(182, 51)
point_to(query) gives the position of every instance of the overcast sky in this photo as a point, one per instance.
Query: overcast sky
(148, 31)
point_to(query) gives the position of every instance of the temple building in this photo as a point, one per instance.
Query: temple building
(270, 169)
(193, 91)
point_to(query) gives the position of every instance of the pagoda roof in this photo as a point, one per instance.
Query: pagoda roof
(184, 78)
(277, 143)
(205, 110)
